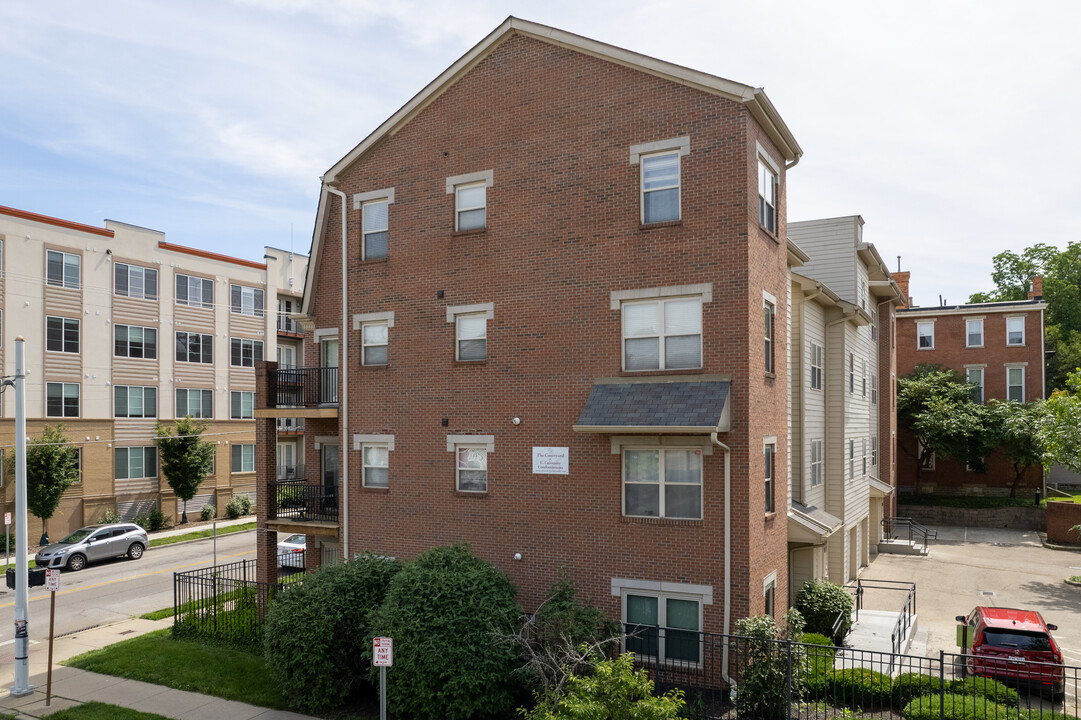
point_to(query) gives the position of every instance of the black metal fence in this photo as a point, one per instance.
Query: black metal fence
(224, 602)
(728, 676)
(298, 500)
(303, 387)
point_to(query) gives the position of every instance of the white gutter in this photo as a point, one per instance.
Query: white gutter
(727, 551)
(343, 390)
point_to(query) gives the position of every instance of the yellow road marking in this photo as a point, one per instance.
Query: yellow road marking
(125, 579)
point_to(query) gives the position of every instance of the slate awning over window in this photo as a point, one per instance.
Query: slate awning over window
(809, 524)
(695, 404)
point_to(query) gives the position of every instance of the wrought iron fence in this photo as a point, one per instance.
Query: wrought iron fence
(224, 602)
(298, 500)
(303, 387)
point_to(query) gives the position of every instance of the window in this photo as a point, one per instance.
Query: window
(61, 335)
(194, 347)
(470, 207)
(662, 334)
(680, 616)
(925, 335)
(245, 353)
(851, 459)
(1015, 384)
(863, 376)
(244, 300)
(192, 402)
(817, 361)
(817, 453)
(287, 357)
(929, 460)
(863, 293)
(134, 281)
(375, 225)
(194, 291)
(471, 341)
(974, 375)
(241, 405)
(61, 399)
(770, 453)
(136, 462)
(864, 441)
(767, 196)
(63, 269)
(131, 341)
(874, 451)
(851, 372)
(660, 187)
(373, 338)
(135, 402)
(471, 468)
(78, 465)
(375, 459)
(769, 592)
(243, 458)
(874, 325)
(974, 333)
(662, 482)
(1015, 331)
(768, 312)
(874, 388)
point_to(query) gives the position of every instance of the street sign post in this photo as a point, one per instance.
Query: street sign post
(382, 658)
(7, 538)
(52, 584)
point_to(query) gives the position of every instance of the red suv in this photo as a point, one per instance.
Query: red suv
(1013, 646)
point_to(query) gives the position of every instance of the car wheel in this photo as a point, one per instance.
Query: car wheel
(76, 562)
(135, 551)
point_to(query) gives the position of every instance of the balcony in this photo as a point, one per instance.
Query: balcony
(295, 505)
(297, 392)
(290, 426)
(288, 326)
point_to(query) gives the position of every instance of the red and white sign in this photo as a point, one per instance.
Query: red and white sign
(7, 518)
(383, 652)
(52, 580)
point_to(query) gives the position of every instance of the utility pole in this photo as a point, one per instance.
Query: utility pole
(22, 684)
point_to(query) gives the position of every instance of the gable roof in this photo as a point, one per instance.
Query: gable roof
(754, 99)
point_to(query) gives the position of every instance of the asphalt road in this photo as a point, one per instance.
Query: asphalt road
(116, 589)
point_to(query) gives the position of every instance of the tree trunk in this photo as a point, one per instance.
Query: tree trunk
(44, 534)
(1018, 472)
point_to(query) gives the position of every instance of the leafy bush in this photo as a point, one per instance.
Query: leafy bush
(109, 516)
(238, 506)
(854, 688)
(444, 611)
(207, 513)
(820, 602)
(819, 660)
(956, 707)
(612, 690)
(315, 632)
(909, 686)
(764, 675)
(156, 519)
(813, 638)
(993, 690)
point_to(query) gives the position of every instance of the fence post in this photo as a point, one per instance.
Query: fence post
(941, 684)
(788, 678)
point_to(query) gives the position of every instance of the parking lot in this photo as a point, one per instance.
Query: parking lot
(981, 566)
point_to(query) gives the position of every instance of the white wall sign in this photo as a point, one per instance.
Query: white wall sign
(551, 461)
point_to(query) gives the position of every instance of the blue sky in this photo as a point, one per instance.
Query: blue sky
(949, 126)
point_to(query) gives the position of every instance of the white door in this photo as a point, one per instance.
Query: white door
(328, 351)
(287, 454)
(287, 357)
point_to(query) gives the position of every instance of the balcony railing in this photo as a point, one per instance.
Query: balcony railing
(291, 425)
(299, 501)
(303, 387)
(287, 325)
(290, 472)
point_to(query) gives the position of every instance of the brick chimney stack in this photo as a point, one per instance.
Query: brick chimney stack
(1035, 291)
(901, 278)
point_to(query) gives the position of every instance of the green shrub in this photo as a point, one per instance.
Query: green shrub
(819, 658)
(207, 513)
(447, 612)
(813, 638)
(764, 674)
(1046, 714)
(156, 519)
(909, 686)
(820, 602)
(238, 506)
(853, 688)
(993, 690)
(957, 707)
(109, 516)
(316, 632)
(612, 690)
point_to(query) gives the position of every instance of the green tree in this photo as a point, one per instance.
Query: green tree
(1059, 429)
(185, 457)
(1015, 427)
(766, 671)
(1012, 273)
(52, 466)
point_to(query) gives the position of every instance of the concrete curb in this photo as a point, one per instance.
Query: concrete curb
(1055, 546)
(1068, 581)
(195, 540)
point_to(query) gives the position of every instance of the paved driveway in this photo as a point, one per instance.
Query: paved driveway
(980, 566)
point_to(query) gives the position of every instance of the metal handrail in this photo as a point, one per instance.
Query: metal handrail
(303, 387)
(914, 530)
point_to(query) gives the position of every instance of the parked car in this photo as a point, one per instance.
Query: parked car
(93, 543)
(291, 551)
(1013, 646)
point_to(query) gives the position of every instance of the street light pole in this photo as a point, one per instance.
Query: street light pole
(22, 684)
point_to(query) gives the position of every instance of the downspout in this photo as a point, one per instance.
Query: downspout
(343, 394)
(727, 550)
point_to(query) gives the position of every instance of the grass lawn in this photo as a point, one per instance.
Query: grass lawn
(206, 668)
(100, 711)
(158, 614)
(198, 534)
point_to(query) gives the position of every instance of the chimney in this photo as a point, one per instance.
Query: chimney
(1035, 290)
(901, 278)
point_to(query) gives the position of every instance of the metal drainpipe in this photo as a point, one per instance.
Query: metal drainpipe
(343, 369)
(727, 550)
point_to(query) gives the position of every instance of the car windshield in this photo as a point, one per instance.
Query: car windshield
(77, 536)
(295, 539)
(1019, 639)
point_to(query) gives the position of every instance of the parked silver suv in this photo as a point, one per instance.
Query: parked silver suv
(93, 543)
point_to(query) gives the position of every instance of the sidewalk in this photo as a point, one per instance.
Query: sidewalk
(73, 687)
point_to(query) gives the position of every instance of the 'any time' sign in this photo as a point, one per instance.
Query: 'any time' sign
(382, 652)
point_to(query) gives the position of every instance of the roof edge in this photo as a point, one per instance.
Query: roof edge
(49, 220)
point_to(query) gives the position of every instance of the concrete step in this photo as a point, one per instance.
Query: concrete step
(902, 547)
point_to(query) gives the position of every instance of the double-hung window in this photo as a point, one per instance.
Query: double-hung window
(864, 456)
(770, 457)
(770, 312)
(663, 627)
(974, 375)
(662, 334)
(851, 373)
(241, 405)
(852, 459)
(471, 337)
(63, 269)
(471, 468)
(863, 376)
(974, 333)
(662, 482)
(195, 348)
(136, 462)
(194, 291)
(874, 451)
(61, 399)
(660, 187)
(375, 459)
(817, 363)
(374, 340)
(243, 458)
(1015, 331)
(767, 196)
(375, 226)
(244, 352)
(874, 325)
(132, 341)
(470, 199)
(61, 334)
(195, 403)
(135, 281)
(817, 455)
(874, 388)
(925, 335)
(244, 300)
(130, 401)
(1015, 384)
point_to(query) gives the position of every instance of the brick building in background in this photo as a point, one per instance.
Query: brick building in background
(564, 334)
(998, 347)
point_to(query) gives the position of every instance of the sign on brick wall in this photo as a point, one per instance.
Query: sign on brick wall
(551, 461)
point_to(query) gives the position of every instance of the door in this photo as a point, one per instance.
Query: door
(328, 359)
(97, 546)
(287, 357)
(331, 476)
(287, 464)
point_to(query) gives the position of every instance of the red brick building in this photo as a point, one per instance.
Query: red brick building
(998, 347)
(563, 338)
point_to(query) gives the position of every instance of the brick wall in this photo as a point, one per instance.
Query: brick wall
(1061, 518)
